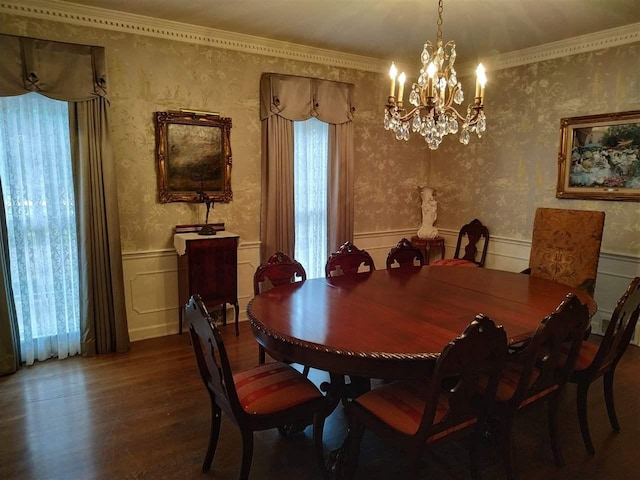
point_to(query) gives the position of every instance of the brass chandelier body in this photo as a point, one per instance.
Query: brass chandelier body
(434, 96)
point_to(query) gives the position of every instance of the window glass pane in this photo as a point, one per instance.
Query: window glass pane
(35, 168)
(311, 139)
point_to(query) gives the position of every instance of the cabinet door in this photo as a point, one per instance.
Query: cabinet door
(213, 269)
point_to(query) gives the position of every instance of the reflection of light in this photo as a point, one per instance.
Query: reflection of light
(59, 402)
(308, 316)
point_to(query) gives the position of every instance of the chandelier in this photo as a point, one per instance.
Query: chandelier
(434, 114)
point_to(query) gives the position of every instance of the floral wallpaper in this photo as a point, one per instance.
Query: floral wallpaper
(504, 176)
(500, 178)
(148, 74)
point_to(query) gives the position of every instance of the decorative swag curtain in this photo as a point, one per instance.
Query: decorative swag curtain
(77, 74)
(283, 100)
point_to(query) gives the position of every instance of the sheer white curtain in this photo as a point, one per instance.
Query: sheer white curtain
(311, 140)
(35, 167)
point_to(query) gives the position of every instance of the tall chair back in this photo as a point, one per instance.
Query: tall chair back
(348, 260)
(474, 232)
(415, 415)
(261, 398)
(565, 246)
(540, 371)
(620, 329)
(549, 358)
(405, 255)
(211, 357)
(596, 360)
(279, 269)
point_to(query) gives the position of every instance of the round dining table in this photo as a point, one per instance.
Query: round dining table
(393, 323)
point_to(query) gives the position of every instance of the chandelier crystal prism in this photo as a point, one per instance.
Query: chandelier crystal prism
(434, 96)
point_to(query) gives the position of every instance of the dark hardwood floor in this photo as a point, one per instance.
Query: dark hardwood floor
(145, 415)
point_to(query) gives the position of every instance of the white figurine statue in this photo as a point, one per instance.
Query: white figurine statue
(429, 213)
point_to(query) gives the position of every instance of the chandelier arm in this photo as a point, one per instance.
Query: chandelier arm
(435, 98)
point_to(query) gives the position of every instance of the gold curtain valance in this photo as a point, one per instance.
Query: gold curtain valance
(300, 98)
(62, 71)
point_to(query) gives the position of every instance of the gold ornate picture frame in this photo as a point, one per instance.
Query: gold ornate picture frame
(193, 154)
(599, 157)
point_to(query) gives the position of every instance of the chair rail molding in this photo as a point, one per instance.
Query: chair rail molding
(151, 277)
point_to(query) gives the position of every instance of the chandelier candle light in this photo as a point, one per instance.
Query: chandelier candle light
(433, 114)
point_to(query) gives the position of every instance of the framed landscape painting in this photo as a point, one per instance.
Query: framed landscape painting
(600, 157)
(193, 154)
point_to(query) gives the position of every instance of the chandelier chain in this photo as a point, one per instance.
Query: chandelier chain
(439, 32)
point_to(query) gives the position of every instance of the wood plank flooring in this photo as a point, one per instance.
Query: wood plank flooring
(145, 415)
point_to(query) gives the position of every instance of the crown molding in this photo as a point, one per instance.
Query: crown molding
(141, 25)
(60, 11)
(564, 48)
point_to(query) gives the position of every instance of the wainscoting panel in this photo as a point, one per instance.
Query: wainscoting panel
(151, 288)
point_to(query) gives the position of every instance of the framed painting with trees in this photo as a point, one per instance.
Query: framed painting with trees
(193, 155)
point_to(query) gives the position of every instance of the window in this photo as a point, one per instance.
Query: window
(310, 171)
(35, 169)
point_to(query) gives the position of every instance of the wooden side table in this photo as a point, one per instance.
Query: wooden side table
(208, 266)
(426, 245)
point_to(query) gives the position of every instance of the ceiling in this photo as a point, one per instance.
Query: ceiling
(395, 29)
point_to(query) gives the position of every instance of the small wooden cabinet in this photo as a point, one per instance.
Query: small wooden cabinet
(427, 245)
(208, 266)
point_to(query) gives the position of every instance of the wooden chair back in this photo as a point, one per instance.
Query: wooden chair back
(620, 329)
(279, 269)
(478, 354)
(274, 395)
(550, 357)
(347, 260)
(414, 415)
(405, 255)
(565, 246)
(473, 231)
(212, 359)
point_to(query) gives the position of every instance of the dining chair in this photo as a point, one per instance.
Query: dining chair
(404, 254)
(540, 371)
(264, 397)
(565, 246)
(473, 231)
(449, 403)
(279, 269)
(596, 360)
(347, 260)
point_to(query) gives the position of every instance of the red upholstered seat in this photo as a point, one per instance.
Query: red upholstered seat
(587, 353)
(272, 388)
(473, 231)
(413, 415)
(510, 379)
(401, 405)
(264, 397)
(453, 262)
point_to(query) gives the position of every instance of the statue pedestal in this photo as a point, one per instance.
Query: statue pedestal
(426, 245)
